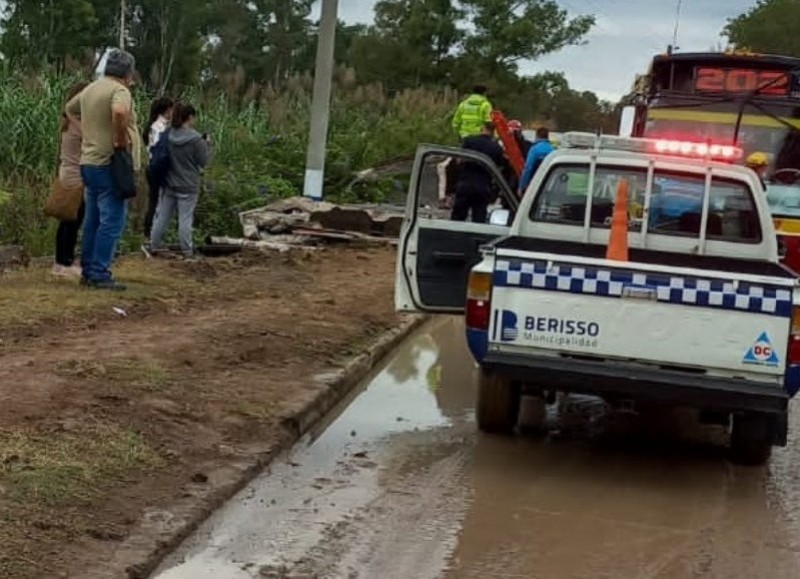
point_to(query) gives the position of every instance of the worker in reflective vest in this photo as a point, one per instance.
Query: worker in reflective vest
(472, 113)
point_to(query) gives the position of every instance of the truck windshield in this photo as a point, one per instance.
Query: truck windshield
(676, 202)
(774, 141)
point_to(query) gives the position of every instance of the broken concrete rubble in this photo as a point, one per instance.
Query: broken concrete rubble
(319, 220)
(280, 217)
(281, 243)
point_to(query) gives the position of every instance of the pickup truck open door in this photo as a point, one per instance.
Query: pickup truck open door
(436, 253)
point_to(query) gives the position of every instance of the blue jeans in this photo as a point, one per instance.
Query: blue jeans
(103, 224)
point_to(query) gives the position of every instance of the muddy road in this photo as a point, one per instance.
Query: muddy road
(398, 484)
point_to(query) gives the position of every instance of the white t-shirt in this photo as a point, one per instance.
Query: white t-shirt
(159, 126)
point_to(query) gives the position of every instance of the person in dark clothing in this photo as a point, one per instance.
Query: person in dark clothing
(475, 191)
(160, 118)
(524, 144)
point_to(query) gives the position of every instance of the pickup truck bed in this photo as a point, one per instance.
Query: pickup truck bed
(652, 257)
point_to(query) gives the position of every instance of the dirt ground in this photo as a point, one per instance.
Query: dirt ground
(108, 403)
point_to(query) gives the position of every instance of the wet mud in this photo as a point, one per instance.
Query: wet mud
(398, 484)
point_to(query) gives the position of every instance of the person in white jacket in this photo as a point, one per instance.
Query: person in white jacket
(160, 118)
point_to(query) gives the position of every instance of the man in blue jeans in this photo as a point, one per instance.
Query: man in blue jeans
(108, 122)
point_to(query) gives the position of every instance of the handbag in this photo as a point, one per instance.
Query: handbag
(63, 203)
(122, 174)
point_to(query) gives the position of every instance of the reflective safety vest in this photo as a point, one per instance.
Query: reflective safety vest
(471, 115)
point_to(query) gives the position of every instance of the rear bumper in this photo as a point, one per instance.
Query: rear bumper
(622, 380)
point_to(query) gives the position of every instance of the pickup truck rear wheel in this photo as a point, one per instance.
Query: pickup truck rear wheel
(751, 438)
(533, 415)
(498, 403)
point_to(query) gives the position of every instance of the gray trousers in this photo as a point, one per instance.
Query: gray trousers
(169, 202)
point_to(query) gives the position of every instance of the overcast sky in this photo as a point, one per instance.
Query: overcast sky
(627, 35)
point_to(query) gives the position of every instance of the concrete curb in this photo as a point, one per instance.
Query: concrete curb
(162, 531)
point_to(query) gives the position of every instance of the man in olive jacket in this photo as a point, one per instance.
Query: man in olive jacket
(472, 114)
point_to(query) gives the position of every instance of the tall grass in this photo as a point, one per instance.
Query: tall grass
(259, 140)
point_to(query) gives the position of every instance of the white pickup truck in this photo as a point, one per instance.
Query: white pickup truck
(701, 315)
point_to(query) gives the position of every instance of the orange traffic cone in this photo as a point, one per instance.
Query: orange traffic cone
(618, 240)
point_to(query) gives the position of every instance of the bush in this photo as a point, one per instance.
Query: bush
(258, 143)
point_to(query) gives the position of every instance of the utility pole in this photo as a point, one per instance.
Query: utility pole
(122, 12)
(320, 106)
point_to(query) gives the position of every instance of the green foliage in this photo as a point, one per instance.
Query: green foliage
(38, 35)
(258, 148)
(508, 31)
(770, 27)
(246, 65)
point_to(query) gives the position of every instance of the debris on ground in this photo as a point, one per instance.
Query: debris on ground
(12, 257)
(301, 221)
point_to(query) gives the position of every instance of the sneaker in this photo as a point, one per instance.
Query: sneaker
(108, 285)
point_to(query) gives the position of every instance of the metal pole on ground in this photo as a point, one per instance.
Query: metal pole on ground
(320, 106)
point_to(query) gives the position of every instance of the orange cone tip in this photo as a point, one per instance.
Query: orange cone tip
(618, 240)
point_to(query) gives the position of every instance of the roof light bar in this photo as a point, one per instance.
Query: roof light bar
(653, 146)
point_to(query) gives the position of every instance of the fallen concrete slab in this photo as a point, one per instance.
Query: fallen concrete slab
(288, 215)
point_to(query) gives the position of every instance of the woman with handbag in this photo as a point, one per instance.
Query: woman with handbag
(66, 200)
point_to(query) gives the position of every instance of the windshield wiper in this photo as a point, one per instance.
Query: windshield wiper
(749, 100)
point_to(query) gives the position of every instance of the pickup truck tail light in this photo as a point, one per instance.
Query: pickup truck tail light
(794, 338)
(479, 295)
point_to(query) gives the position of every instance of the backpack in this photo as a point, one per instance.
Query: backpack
(158, 167)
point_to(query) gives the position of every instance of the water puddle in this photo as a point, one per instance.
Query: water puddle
(399, 484)
(285, 513)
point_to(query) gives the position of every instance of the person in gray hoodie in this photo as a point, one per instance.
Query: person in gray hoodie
(188, 156)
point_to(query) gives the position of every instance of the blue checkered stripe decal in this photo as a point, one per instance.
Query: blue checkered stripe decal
(701, 292)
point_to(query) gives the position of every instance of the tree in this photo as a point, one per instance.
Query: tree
(412, 43)
(268, 40)
(47, 32)
(506, 32)
(429, 28)
(167, 38)
(770, 26)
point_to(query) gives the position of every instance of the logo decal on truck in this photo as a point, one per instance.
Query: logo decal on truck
(762, 353)
(508, 327)
(544, 330)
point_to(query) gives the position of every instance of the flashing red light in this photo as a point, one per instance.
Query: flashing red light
(699, 150)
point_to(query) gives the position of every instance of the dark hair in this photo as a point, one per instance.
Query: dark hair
(542, 133)
(479, 89)
(182, 113)
(71, 93)
(157, 108)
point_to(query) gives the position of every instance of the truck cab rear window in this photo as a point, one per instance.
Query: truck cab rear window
(676, 202)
